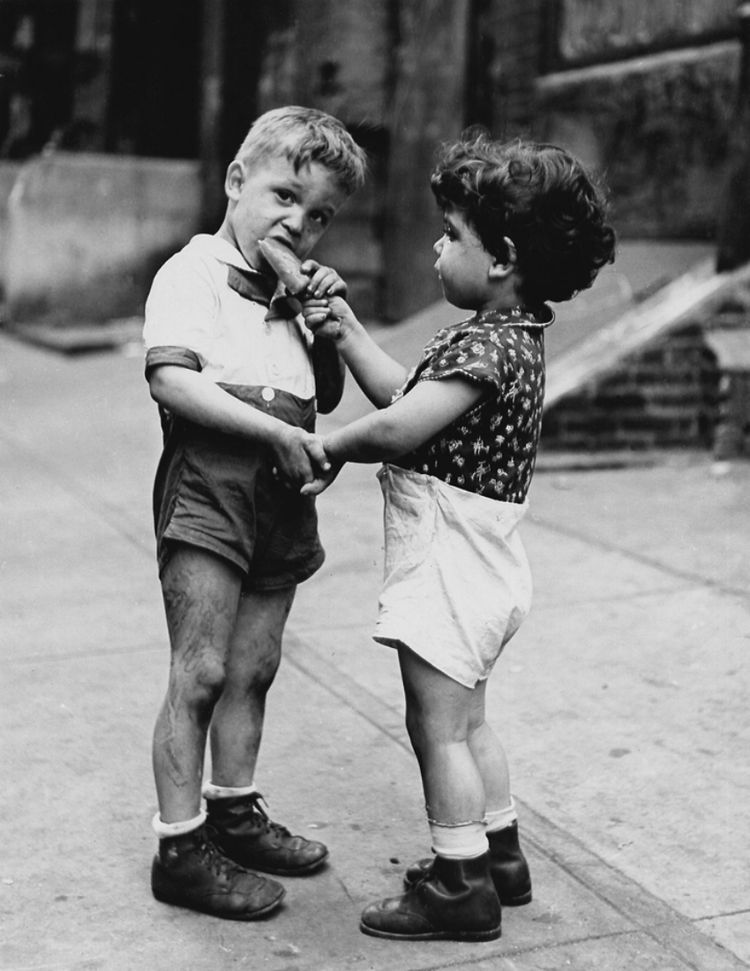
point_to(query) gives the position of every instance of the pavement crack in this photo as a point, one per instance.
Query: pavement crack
(347, 694)
(640, 558)
(649, 915)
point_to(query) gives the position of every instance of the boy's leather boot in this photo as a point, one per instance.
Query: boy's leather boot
(454, 900)
(246, 835)
(508, 868)
(190, 871)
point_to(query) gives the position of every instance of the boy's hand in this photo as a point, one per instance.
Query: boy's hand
(299, 456)
(319, 461)
(324, 280)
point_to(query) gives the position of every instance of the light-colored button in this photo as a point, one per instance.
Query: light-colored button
(268, 394)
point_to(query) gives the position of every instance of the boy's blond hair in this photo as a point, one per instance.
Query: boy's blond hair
(305, 135)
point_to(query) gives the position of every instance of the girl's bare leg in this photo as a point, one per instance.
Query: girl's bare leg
(489, 755)
(440, 719)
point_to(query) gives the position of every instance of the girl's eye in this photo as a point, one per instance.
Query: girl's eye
(448, 232)
(320, 217)
(285, 195)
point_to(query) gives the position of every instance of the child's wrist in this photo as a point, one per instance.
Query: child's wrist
(348, 328)
(333, 456)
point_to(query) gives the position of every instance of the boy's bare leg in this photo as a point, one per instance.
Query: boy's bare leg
(242, 829)
(201, 595)
(251, 665)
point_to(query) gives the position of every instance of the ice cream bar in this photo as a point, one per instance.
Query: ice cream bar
(285, 265)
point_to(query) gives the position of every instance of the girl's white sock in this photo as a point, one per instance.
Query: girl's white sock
(462, 841)
(166, 830)
(501, 818)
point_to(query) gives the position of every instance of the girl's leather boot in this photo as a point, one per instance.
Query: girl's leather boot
(508, 868)
(453, 900)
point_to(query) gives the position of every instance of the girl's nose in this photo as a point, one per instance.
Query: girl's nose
(437, 246)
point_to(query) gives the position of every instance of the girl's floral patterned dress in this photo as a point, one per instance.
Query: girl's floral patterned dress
(490, 449)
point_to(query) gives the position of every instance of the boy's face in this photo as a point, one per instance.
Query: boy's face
(463, 264)
(268, 199)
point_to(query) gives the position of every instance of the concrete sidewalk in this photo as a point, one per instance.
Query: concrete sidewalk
(622, 700)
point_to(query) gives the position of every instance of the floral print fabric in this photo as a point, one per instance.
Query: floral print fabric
(490, 449)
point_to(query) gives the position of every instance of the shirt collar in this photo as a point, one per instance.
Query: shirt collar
(542, 316)
(248, 282)
(222, 250)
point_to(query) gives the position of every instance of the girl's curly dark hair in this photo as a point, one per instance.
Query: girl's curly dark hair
(541, 198)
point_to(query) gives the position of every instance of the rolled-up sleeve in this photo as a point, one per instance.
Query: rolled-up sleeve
(180, 311)
(179, 356)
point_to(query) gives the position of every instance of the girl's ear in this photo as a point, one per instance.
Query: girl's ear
(234, 180)
(503, 268)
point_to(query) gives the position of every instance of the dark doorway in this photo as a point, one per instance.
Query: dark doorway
(37, 68)
(156, 72)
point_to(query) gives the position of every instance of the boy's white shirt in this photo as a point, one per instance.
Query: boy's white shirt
(191, 305)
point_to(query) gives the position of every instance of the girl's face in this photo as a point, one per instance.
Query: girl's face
(463, 264)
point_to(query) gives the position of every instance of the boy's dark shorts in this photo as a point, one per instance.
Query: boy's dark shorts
(219, 493)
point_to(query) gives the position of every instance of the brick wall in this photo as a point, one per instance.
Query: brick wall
(666, 395)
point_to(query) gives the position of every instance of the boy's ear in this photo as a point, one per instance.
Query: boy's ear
(234, 181)
(503, 268)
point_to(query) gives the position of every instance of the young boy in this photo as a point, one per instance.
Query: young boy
(522, 224)
(237, 377)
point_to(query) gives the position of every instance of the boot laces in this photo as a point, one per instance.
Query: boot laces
(217, 863)
(256, 798)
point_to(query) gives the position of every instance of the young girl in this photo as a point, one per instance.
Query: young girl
(522, 224)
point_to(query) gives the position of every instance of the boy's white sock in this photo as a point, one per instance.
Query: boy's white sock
(210, 791)
(463, 841)
(166, 830)
(501, 818)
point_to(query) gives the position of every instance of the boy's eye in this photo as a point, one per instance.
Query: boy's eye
(320, 217)
(285, 195)
(448, 231)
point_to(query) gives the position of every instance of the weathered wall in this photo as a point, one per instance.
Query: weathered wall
(87, 231)
(645, 92)
(658, 127)
(505, 55)
(8, 174)
(396, 74)
(592, 29)
(335, 55)
(428, 107)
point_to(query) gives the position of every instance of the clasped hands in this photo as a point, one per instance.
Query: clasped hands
(301, 462)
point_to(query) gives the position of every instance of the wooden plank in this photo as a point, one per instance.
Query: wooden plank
(694, 295)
